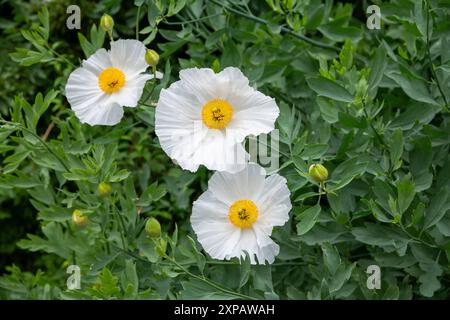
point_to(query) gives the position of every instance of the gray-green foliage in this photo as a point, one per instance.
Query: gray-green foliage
(371, 105)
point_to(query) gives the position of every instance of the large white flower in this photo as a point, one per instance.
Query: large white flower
(203, 118)
(107, 81)
(237, 213)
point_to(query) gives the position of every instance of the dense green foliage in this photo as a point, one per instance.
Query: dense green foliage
(371, 105)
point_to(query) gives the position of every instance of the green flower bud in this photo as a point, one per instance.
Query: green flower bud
(107, 23)
(104, 189)
(78, 218)
(152, 57)
(153, 228)
(318, 172)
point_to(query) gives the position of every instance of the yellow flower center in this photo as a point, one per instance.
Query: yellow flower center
(216, 114)
(111, 80)
(243, 213)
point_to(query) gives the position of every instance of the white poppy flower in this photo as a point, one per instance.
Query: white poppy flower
(107, 81)
(237, 213)
(203, 118)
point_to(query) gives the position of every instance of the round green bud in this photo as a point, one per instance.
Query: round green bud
(78, 218)
(318, 172)
(152, 57)
(107, 23)
(104, 189)
(153, 228)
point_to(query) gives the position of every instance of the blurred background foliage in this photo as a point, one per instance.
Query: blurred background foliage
(371, 105)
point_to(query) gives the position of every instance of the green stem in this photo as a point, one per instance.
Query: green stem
(433, 72)
(369, 120)
(212, 284)
(416, 238)
(203, 279)
(122, 225)
(138, 15)
(18, 125)
(283, 29)
(192, 20)
(59, 56)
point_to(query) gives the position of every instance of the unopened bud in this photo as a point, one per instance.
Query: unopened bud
(153, 228)
(107, 23)
(104, 189)
(78, 218)
(152, 57)
(318, 172)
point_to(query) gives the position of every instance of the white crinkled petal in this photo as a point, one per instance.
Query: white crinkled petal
(131, 92)
(129, 56)
(246, 184)
(216, 152)
(201, 82)
(248, 243)
(101, 114)
(274, 201)
(254, 113)
(98, 62)
(210, 222)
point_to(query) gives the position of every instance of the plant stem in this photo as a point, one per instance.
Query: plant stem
(192, 20)
(415, 238)
(283, 29)
(212, 284)
(203, 279)
(380, 139)
(39, 139)
(138, 15)
(433, 72)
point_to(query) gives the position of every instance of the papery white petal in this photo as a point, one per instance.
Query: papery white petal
(274, 201)
(201, 83)
(131, 92)
(129, 56)
(246, 184)
(101, 114)
(98, 62)
(254, 114)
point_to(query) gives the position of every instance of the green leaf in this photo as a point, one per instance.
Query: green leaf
(413, 87)
(437, 208)
(396, 147)
(308, 219)
(331, 257)
(377, 68)
(330, 89)
(405, 192)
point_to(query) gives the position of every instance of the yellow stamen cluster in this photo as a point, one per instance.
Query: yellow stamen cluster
(111, 80)
(243, 213)
(216, 114)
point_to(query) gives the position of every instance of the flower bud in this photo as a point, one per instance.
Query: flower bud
(318, 172)
(78, 218)
(153, 228)
(152, 57)
(104, 189)
(107, 23)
